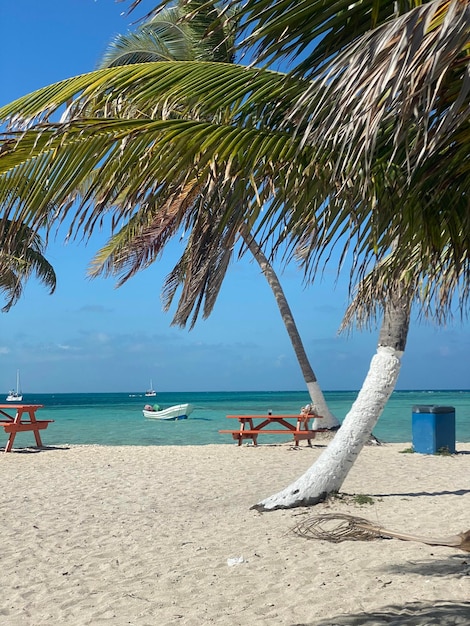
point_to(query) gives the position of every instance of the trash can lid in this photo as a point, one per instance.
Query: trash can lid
(432, 408)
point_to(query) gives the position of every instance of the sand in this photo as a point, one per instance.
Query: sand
(164, 535)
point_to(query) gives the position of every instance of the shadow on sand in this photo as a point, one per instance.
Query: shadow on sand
(420, 494)
(412, 614)
(34, 449)
(456, 566)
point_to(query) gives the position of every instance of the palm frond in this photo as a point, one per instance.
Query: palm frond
(158, 88)
(165, 37)
(307, 32)
(21, 256)
(405, 85)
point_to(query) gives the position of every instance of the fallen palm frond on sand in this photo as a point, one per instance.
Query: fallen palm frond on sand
(337, 527)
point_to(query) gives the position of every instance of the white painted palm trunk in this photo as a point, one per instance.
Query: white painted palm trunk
(327, 474)
(328, 420)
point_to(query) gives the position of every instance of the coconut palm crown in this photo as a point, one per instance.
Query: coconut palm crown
(265, 138)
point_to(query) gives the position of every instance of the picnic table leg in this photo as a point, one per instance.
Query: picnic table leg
(12, 436)
(10, 441)
(240, 436)
(248, 423)
(37, 436)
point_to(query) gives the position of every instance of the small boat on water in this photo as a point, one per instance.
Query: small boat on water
(150, 393)
(15, 396)
(175, 412)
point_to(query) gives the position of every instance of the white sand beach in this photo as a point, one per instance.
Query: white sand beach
(146, 536)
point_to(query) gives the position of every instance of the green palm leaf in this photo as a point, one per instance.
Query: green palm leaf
(21, 256)
(152, 87)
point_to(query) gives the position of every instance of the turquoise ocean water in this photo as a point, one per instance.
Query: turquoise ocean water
(116, 418)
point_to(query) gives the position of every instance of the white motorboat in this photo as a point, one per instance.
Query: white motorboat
(175, 412)
(15, 396)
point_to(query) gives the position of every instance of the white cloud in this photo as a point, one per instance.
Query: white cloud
(280, 360)
(445, 351)
(102, 338)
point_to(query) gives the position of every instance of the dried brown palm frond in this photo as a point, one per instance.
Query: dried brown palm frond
(410, 75)
(338, 527)
(432, 279)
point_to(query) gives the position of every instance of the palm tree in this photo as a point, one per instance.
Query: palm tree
(204, 122)
(21, 256)
(363, 108)
(372, 76)
(169, 37)
(214, 223)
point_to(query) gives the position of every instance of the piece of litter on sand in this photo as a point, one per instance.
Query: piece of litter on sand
(237, 560)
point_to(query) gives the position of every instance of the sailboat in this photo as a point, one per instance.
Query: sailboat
(150, 393)
(15, 396)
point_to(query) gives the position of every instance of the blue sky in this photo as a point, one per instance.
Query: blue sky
(89, 336)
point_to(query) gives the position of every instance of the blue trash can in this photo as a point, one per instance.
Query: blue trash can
(433, 428)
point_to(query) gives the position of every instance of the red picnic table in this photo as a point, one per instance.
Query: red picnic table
(249, 429)
(24, 419)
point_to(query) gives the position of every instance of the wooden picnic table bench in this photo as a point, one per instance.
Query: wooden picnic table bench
(24, 419)
(250, 430)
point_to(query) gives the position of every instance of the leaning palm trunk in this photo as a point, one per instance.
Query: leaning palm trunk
(328, 473)
(316, 395)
